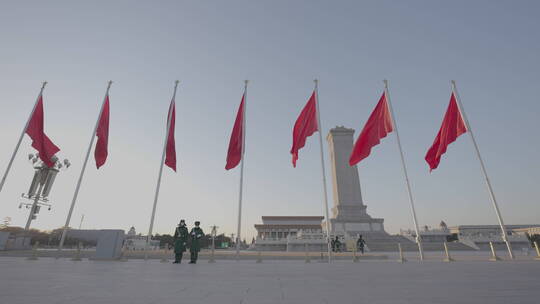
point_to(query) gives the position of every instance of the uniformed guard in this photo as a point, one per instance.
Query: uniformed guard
(337, 244)
(196, 234)
(360, 243)
(180, 240)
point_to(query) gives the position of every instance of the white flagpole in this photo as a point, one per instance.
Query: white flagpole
(20, 138)
(323, 171)
(238, 238)
(160, 173)
(83, 169)
(488, 183)
(411, 200)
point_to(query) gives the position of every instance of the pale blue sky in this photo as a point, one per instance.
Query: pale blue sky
(489, 47)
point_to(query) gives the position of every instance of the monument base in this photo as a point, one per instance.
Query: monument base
(350, 228)
(373, 233)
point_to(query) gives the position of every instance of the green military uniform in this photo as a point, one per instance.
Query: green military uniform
(196, 235)
(180, 240)
(361, 243)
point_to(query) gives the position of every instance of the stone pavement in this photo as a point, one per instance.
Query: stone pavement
(137, 281)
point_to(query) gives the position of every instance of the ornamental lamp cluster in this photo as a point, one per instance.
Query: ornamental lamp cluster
(42, 182)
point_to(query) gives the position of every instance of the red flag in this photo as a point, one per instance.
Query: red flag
(452, 127)
(46, 148)
(306, 124)
(102, 133)
(377, 127)
(234, 154)
(170, 159)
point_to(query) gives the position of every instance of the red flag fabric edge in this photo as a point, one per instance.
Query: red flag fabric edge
(102, 132)
(35, 129)
(377, 127)
(170, 158)
(234, 153)
(306, 124)
(452, 127)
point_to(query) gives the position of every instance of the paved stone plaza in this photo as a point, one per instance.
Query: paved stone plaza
(136, 281)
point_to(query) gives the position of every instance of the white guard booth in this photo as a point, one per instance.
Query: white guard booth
(4, 236)
(109, 244)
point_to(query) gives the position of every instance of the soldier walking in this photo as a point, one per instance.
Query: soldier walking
(337, 244)
(180, 240)
(196, 235)
(360, 243)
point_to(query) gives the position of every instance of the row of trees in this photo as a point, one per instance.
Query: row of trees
(52, 238)
(46, 238)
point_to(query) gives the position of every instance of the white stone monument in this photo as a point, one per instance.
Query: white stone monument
(349, 216)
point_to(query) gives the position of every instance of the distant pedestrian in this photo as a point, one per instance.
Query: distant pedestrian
(196, 234)
(360, 243)
(337, 244)
(180, 240)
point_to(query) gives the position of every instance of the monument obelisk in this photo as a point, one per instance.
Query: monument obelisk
(349, 216)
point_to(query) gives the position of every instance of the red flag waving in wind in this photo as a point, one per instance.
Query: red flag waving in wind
(170, 159)
(102, 133)
(306, 124)
(452, 127)
(35, 129)
(234, 154)
(377, 127)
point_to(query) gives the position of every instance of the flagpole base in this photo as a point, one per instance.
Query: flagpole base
(494, 256)
(401, 259)
(34, 255)
(77, 256)
(323, 260)
(211, 260)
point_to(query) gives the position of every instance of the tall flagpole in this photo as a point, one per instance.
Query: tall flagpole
(83, 169)
(488, 183)
(21, 137)
(323, 171)
(411, 200)
(169, 118)
(238, 238)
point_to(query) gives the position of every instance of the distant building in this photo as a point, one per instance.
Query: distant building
(429, 235)
(281, 227)
(290, 233)
(132, 231)
(138, 242)
(479, 236)
(527, 231)
(9, 241)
